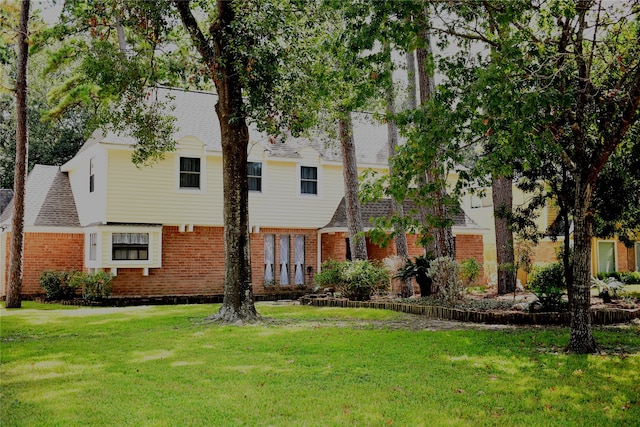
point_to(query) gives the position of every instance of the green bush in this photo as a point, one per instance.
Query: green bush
(547, 283)
(469, 271)
(626, 277)
(417, 270)
(445, 273)
(94, 286)
(58, 285)
(356, 280)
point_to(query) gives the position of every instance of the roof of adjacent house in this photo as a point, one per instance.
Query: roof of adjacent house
(5, 197)
(195, 116)
(48, 200)
(383, 208)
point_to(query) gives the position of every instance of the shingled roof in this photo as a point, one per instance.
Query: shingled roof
(5, 197)
(49, 201)
(383, 208)
(195, 116)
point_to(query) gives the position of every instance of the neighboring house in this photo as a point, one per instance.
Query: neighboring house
(608, 255)
(159, 228)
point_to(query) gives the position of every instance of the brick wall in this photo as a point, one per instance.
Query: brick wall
(467, 246)
(193, 263)
(46, 251)
(257, 256)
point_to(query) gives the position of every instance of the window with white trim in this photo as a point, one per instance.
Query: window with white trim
(269, 258)
(190, 172)
(129, 246)
(606, 257)
(254, 176)
(93, 246)
(92, 181)
(308, 180)
(637, 246)
(298, 254)
(284, 259)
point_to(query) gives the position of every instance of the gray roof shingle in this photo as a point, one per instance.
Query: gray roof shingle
(383, 208)
(6, 195)
(48, 201)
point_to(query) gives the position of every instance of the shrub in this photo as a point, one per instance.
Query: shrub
(58, 285)
(445, 273)
(469, 271)
(356, 280)
(419, 270)
(608, 288)
(94, 286)
(627, 277)
(547, 283)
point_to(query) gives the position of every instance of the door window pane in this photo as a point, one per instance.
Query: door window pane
(606, 257)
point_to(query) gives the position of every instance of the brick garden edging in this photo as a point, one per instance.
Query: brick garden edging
(598, 317)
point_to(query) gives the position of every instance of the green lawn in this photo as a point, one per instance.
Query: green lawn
(162, 366)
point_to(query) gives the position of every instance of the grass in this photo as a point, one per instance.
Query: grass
(163, 366)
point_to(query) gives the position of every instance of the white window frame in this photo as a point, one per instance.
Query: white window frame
(203, 173)
(262, 174)
(92, 175)
(615, 255)
(318, 180)
(481, 198)
(135, 260)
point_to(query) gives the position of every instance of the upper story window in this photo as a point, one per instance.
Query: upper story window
(190, 172)
(91, 176)
(308, 180)
(481, 199)
(254, 176)
(130, 246)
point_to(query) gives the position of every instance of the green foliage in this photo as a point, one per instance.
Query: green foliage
(95, 286)
(469, 271)
(355, 280)
(445, 273)
(418, 270)
(548, 284)
(59, 285)
(608, 288)
(626, 277)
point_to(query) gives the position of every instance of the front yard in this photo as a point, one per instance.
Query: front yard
(309, 366)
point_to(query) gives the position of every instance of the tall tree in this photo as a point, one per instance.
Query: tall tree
(442, 242)
(240, 46)
(13, 298)
(573, 78)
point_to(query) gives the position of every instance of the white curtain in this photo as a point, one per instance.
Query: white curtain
(299, 260)
(269, 258)
(284, 260)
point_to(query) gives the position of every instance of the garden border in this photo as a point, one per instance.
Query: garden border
(598, 316)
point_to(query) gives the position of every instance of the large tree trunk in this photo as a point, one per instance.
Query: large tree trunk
(14, 298)
(502, 209)
(402, 248)
(437, 211)
(355, 224)
(238, 303)
(581, 339)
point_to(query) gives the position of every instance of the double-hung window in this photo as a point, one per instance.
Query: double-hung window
(254, 176)
(130, 246)
(308, 180)
(190, 172)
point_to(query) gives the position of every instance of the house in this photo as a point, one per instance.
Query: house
(159, 228)
(608, 255)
